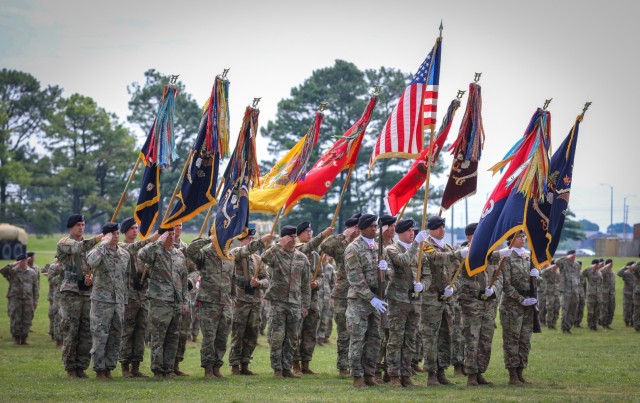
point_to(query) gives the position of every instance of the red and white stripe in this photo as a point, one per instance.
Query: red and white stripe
(430, 109)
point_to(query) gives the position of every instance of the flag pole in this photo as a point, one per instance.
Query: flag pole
(126, 187)
(206, 219)
(175, 191)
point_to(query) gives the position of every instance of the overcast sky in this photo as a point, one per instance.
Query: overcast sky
(527, 52)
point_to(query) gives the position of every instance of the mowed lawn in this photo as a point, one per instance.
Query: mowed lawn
(584, 366)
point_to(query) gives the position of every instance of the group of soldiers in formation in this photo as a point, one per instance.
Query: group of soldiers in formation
(108, 296)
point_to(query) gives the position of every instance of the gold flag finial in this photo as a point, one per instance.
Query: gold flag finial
(256, 100)
(323, 106)
(546, 103)
(477, 77)
(224, 73)
(460, 94)
(174, 78)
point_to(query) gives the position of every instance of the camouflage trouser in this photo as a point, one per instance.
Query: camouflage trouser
(579, 310)
(636, 310)
(627, 307)
(569, 310)
(342, 340)
(164, 321)
(57, 318)
(457, 338)
(53, 307)
(244, 332)
(21, 314)
(607, 309)
(381, 364)
(214, 321)
(419, 350)
(517, 327)
(284, 324)
(593, 310)
(106, 330)
(403, 322)
(552, 308)
(75, 326)
(324, 324)
(363, 324)
(436, 324)
(307, 336)
(542, 304)
(134, 330)
(195, 320)
(184, 335)
(478, 320)
(264, 314)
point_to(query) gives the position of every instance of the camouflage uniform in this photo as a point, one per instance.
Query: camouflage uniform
(402, 314)
(246, 311)
(75, 306)
(194, 307)
(552, 281)
(635, 269)
(593, 278)
(326, 315)
(167, 294)
(335, 246)
(608, 297)
(570, 287)
(184, 328)
(108, 297)
(53, 297)
(542, 300)
(627, 295)
(516, 319)
(363, 320)
(23, 296)
(288, 293)
(582, 290)
(381, 364)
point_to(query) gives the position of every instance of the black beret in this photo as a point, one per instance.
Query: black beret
(386, 219)
(352, 221)
(465, 243)
(21, 257)
(404, 225)
(287, 230)
(595, 261)
(126, 224)
(30, 254)
(366, 220)
(110, 227)
(74, 219)
(601, 260)
(435, 222)
(471, 228)
(571, 252)
(302, 227)
(630, 263)
(580, 263)
(609, 261)
(163, 230)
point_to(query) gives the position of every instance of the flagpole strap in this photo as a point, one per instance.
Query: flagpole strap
(126, 187)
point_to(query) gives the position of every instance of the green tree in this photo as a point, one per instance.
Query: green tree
(572, 229)
(589, 226)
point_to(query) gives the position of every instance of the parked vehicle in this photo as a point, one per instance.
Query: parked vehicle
(13, 241)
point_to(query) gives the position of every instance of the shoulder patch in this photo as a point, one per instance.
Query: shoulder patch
(350, 254)
(428, 248)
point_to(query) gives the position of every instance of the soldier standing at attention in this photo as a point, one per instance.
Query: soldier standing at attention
(111, 267)
(582, 290)
(570, 286)
(168, 300)
(136, 311)
(593, 279)
(23, 296)
(52, 297)
(326, 313)
(552, 280)
(246, 307)
(31, 262)
(334, 246)
(608, 295)
(627, 294)
(364, 307)
(75, 306)
(635, 270)
(388, 224)
(289, 295)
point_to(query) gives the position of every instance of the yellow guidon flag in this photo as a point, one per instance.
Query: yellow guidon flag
(276, 186)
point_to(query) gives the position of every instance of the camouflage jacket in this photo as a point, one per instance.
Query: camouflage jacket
(329, 281)
(50, 293)
(627, 277)
(72, 256)
(216, 273)
(593, 278)
(570, 283)
(334, 246)
(137, 289)
(110, 268)
(516, 278)
(472, 286)
(309, 250)
(402, 271)
(246, 257)
(608, 282)
(289, 276)
(635, 270)
(55, 278)
(361, 263)
(36, 270)
(552, 280)
(440, 264)
(23, 283)
(167, 273)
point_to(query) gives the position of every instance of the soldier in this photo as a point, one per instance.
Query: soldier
(326, 313)
(31, 263)
(111, 267)
(627, 294)
(194, 308)
(364, 307)
(388, 225)
(608, 295)
(289, 295)
(75, 306)
(403, 317)
(168, 300)
(136, 311)
(582, 290)
(635, 270)
(54, 286)
(246, 307)
(334, 246)
(23, 297)
(553, 281)
(542, 300)
(593, 279)
(570, 286)
(184, 329)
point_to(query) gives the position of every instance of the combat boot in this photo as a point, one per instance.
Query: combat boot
(194, 338)
(385, 378)
(72, 374)
(157, 375)
(216, 372)
(306, 370)
(344, 373)
(100, 375)
(472, 380)
(458, 370)
(169, 374)
(415, 367)
(208, 373)
(277, 374)
(135, 370)
(406, 381)
(513, 377)
(395, 382)
(176, 370)
(370, 380)
(246, 371)
(16, 340)
(235, 370)
(432, 380)
(287, 373)
(23, 341)
(378, 376)
(126, 372)
(481, 380)
(358, 382)
(81, 373)
(296, 367)
(521, 376)
(442, 378)
(107, 374)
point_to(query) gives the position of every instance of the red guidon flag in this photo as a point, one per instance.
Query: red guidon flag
(342, 155)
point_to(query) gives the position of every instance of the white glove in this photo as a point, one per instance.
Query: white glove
(421, 237)
(488, 291)
(506, 252)
(379, 304)
(534, 273)
(529, 301)
(382, 265)
(464, 252)
(448, 291)
(417, 287)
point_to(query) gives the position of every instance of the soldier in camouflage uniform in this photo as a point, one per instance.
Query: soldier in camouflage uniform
(53, 297)
(75, 306)
(194, 308)
(542, 300)
(307, 337)
(289, 296)
(582, 291)
(110, 264)
(593, 278)
(334, 246)
(627, 294)
(570, 286)
(184, 329)
(246, 307)
(607, 295)
(388, 225)
(326, 313)
(516, 308)
(364, 307)
(635, 270)
(552, 278)
(23, 296)
(168, 299)
(403, 286)
(31, 263)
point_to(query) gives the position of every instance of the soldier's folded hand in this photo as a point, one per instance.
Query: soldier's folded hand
(313, 284)
(529, 301)
(488, 291)
(421, 237)
(379, 304)
(88, 280)
(448, 291)
(464, 252)
(254, 283)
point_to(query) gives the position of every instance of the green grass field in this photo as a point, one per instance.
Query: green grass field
(584, 366)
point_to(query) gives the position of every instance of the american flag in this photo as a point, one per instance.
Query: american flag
(402, 135)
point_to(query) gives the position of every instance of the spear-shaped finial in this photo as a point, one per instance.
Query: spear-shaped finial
(460, 94)
(586, 106)
(255, 102)
(323, 106)
(376, 90)
(477, 77)
(174, 78)
(546, 103)
(224, 73)
(441, 27)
